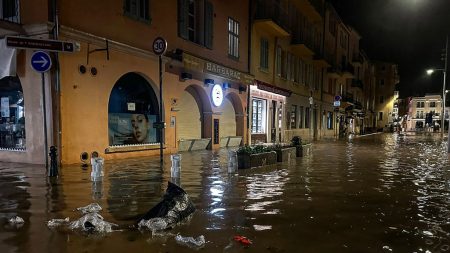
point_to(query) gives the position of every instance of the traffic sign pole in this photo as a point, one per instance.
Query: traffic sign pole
(44, 109)
(159, 47)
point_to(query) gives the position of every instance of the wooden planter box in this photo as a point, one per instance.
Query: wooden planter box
(285, 154)
(256, 160)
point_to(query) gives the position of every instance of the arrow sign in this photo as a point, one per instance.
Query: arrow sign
(41, 61)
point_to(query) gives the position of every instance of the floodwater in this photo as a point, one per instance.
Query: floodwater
(380, 193)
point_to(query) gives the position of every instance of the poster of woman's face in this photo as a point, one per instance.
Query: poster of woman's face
(131, 128)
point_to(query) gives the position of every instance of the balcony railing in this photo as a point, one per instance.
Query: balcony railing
(347, 97)
(271, 9)
(9, 11)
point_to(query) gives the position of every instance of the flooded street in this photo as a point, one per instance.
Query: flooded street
(379, 193)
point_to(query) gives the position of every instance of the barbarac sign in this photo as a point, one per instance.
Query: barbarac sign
(222, 71)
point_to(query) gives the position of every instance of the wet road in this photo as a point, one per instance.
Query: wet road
(380, 193)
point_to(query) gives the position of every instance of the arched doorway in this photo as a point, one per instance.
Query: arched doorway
(231, 121)
(194, 111)
(132, 109)
(12, 120)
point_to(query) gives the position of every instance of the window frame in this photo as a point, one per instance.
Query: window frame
(233, 38)
(136, 16)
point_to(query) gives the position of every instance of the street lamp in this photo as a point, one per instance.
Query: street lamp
(429, 72)
(444, 71)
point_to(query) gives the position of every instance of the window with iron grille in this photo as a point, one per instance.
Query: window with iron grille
(137, 9)
(258, 116)
(9, 10)
(293, 117)
(233, 38)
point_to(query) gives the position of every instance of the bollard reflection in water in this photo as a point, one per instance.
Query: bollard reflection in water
(232, 161)
(97, 168)
(175, 169)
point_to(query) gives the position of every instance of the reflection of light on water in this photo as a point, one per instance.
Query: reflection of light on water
(263, 188)
(262, 227)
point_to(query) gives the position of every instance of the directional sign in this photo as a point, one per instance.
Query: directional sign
(41, 61)
(159, 46)
(47, 45)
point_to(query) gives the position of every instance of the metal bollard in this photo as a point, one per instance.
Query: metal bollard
(232, 161)
(53, 170)
(176, 165)
(97, 168)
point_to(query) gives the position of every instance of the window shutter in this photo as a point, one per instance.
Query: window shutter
(183, 7)
(208, 24)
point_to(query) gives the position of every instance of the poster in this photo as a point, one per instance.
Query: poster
(4, 104)
(129, 128)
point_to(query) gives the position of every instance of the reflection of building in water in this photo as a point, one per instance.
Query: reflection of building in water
(133, 189)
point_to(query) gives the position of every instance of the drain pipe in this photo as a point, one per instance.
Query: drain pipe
(57, 85)
(249, 48)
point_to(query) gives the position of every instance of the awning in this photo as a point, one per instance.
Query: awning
(271, 88)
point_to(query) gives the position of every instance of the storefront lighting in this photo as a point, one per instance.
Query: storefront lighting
(226, 86)
(209, 82)
(185, 76)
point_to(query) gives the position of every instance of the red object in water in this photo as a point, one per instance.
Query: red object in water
(242, 239)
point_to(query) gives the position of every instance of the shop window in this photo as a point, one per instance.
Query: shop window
(195, 21)
(132, 110)
(329, 120)
(264, 54)
(294, 117)
(233, 38)
(258, 116)
(300, 123)
(307, 117)
(12, 122)
(137, 9)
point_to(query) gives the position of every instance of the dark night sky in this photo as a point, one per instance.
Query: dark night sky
(410, 33)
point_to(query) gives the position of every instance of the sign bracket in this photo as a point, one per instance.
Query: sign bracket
(98, 50)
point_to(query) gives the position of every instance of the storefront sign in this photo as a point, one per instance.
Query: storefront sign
(222, 71)
(270, 88)
(217, 94)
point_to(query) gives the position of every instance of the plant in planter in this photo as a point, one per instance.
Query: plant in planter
(255, 156)
(297, 143)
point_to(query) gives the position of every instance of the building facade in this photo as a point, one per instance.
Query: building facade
(386, 79)
(234, 73)
(419, 108)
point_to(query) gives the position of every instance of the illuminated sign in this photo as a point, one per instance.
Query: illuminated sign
(217, 94)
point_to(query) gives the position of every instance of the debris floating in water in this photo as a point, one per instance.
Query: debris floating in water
(154, 224)
(243, 240)
(16, 220)
(57, 222)
(92, 222)
(91, 208)
(194, 243)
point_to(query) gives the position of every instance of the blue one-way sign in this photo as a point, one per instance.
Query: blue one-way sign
(41, 61)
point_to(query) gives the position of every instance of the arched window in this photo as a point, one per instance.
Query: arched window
(12, 108)
(132, 110)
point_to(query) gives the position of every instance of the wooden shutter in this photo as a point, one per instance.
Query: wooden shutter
(183, 15)
(209, 16)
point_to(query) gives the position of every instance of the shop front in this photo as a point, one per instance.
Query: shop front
(207, 105)
(267, 110)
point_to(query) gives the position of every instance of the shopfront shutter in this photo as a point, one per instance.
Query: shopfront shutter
(208, 24)
(183, 15)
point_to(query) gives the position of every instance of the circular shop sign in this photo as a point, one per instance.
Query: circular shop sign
(159, 46)
(217, 95)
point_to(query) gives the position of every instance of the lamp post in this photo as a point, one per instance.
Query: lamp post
(444, 71)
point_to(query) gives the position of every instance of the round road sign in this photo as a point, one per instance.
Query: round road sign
(159, 46)
(41, 61)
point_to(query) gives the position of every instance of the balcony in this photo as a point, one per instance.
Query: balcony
(348, 97)
(348, 70)
(301, 45)
(271, 17)
(334, 71)
(320, 60)
(356, 83)
(9, 11)
(311, 8)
